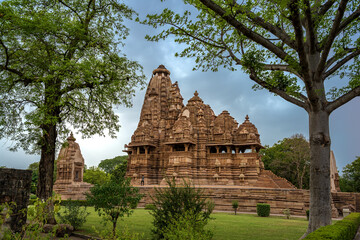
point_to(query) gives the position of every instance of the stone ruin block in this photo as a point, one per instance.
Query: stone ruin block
(15, 187)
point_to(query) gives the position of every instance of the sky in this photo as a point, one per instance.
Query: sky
(274, 117)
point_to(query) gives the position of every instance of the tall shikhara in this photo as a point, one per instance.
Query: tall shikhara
(190, 142)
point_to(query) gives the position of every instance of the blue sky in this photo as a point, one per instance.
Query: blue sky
(224, 90)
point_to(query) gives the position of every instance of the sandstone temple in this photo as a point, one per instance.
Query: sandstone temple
(70, 168)
(190, 142)
(213, 152)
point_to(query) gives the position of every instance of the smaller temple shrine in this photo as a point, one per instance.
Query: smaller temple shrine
(70, 168)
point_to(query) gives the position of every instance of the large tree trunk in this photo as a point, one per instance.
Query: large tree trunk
(46, 168)
(320, 198)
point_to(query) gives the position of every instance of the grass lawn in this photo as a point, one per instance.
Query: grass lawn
(225, 226)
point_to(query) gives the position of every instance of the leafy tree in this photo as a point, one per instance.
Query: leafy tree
(95, 176)
(350, 179)
(175, 201)
(118, 174)
(34, 167)
(235, 205)
(291, 48)
(60, 66)
(114, 199)
(290, 159)
(108, 165)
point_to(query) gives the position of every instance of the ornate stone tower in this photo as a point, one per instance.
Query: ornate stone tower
(191, 142)
(70, 168)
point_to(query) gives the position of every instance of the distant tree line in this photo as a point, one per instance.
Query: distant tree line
(96, 175)
(290, 158)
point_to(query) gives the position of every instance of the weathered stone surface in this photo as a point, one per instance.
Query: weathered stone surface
(191, 142)
(70, 168)
(15, 187)
(213, 152)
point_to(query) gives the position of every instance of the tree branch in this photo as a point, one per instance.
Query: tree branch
(278, 32)
(72, 9)
(284, 95)
(349, 20)
(281, 67)
(246, 31)
(333, 33)
(343, 99)
(325, 7)
(310, 34)
(341, 63)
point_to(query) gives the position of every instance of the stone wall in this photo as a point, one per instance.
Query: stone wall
(298, 201)
(15, 187)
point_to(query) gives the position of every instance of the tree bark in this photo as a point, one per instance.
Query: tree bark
(46, 168)
(320, 199)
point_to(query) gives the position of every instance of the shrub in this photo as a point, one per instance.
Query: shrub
(149, 206)
(73, 214)
(343, 230)
(263, 209)
(114, 199)
(287, 213)
(175, 201)
(82, 203)
(307, 214)
(235, 205)
(187, 226)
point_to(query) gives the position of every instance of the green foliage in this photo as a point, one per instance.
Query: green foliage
(68, 55)
(118, 174)
(114, 199)
(287, 213)
(263, 209)
(187, 226)
(342, 230)
(34, 167)
(95, 176)
(121, 234)
(82, 203)
(108, 165)
(73, 214)
(290, 159)
(307, 214)
(36, 218)
(350, 179)
(149, 206)
(175, 201)
(235, 205)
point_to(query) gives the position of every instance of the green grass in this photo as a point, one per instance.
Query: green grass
(225, 226)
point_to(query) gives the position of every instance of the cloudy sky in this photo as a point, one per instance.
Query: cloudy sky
(224, 90)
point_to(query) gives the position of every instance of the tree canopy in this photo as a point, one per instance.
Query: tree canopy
(61, 67)
(108, 165)
(292, 48)
(290, 158)
(350, 179)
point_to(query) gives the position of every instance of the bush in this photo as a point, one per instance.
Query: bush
(342, 230)
(187, 226)
(307, 214)
(175, 201)
(263, 209)
(149, 206)
(82, 203)
(287, 213)
(73, 214)
(235, 205)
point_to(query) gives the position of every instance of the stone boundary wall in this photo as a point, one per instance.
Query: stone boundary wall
(15, 187)
(298, 201)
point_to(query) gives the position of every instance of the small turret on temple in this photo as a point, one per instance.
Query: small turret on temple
(70, 169)
(191, 142)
